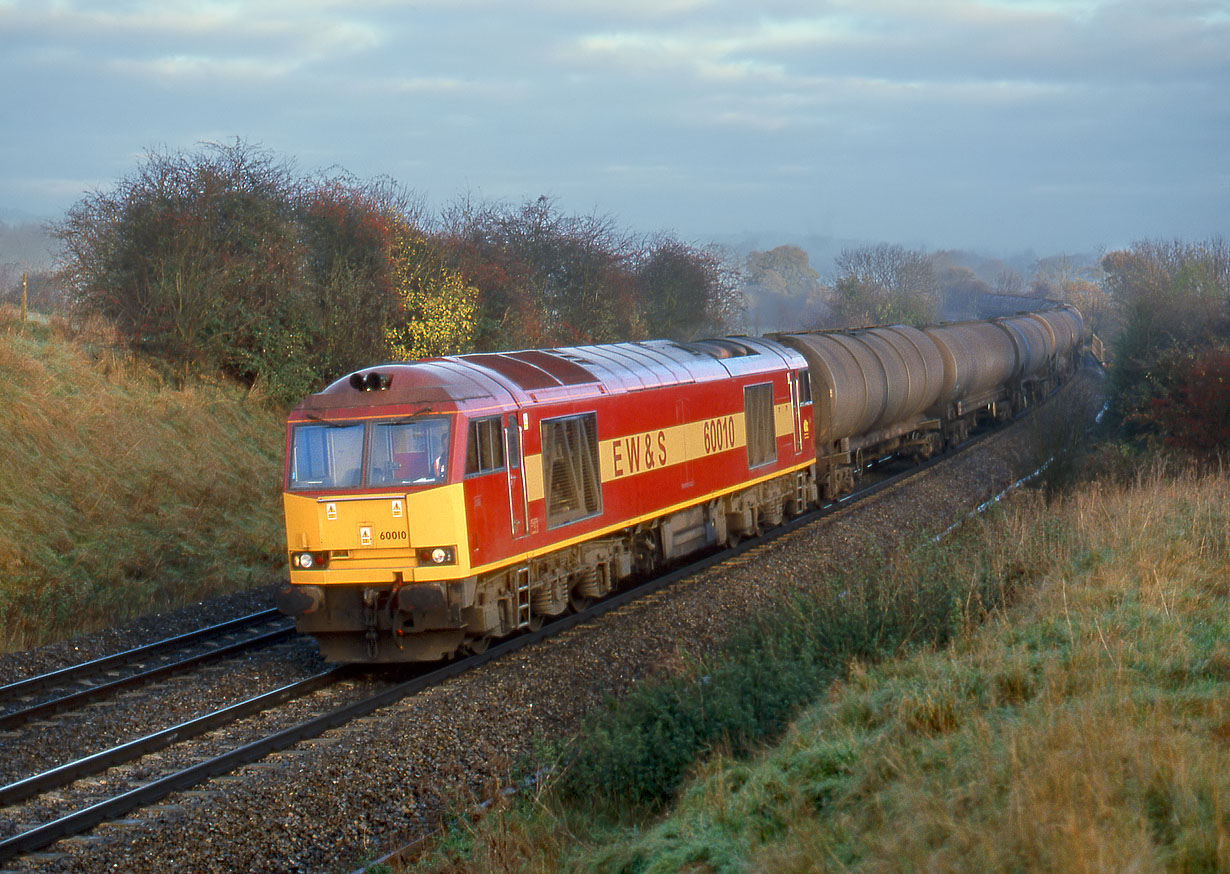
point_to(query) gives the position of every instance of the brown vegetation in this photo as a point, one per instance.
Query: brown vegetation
(124, 495)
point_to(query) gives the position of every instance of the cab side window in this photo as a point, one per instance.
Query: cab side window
(804, 386)
(485, 446)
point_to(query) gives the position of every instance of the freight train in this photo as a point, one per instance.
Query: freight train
(433, 506)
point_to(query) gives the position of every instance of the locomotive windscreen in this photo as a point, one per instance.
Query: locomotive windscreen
(328, 456)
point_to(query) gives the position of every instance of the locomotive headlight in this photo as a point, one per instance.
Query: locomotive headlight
(306, 561)
(437, 555)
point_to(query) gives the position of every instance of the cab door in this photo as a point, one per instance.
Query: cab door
(514, 452)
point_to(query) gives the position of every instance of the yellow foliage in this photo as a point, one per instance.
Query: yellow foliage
(439, 310)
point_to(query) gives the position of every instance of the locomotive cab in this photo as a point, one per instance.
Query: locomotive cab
(369, 485)
(374, 497)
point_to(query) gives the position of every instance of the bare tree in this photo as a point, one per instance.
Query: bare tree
(884, 284)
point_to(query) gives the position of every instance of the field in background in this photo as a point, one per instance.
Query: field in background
(123, 493)
(1081, 723)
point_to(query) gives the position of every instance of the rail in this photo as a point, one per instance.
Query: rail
(73, 673)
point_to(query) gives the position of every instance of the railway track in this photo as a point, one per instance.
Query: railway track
(76, 702)
(78, 779)
(73, 686)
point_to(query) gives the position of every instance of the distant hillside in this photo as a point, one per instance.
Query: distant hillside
(124, 494)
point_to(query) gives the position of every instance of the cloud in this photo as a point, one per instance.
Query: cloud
(183, 39)
(457, 87)
(928, 42)
(202, 69)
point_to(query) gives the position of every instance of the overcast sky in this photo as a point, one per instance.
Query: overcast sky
(998, 125)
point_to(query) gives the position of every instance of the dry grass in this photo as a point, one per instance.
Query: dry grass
(123, 493)
(1085, 731)
(1084, 727)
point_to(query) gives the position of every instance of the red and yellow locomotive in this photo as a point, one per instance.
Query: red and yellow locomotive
(434, 505)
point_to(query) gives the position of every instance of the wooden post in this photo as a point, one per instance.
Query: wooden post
(23, 297)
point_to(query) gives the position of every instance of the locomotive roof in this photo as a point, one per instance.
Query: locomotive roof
(528, 376)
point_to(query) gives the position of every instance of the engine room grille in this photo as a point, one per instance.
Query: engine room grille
(573, 484)
(758, 417)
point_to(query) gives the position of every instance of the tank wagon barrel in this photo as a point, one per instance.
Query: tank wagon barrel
(867, 380)
(1065, 326)
(979, 357)
(1033, 341)
(434, 505)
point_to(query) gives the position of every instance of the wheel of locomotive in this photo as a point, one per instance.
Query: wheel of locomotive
(578, 602)
(477, 645)
(646, 553)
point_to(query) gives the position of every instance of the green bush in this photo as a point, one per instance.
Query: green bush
(639, 749)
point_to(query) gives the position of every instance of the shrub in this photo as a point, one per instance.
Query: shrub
(640, 749)
(1194, 414)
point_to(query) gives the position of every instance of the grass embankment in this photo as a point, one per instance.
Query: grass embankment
(124, 495)
(1076, 719)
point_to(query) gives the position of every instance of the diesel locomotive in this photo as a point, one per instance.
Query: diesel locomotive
(434, 505)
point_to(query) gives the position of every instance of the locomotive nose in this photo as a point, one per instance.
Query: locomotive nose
(298, 600)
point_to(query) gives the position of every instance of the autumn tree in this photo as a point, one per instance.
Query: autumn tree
(546, 278)
(686, 292)
(1170, 354)
(226, 260)
(476, 244)
(884, 284)
(196, 258)
(1194, 415)
(438, 309)
(347, 231)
